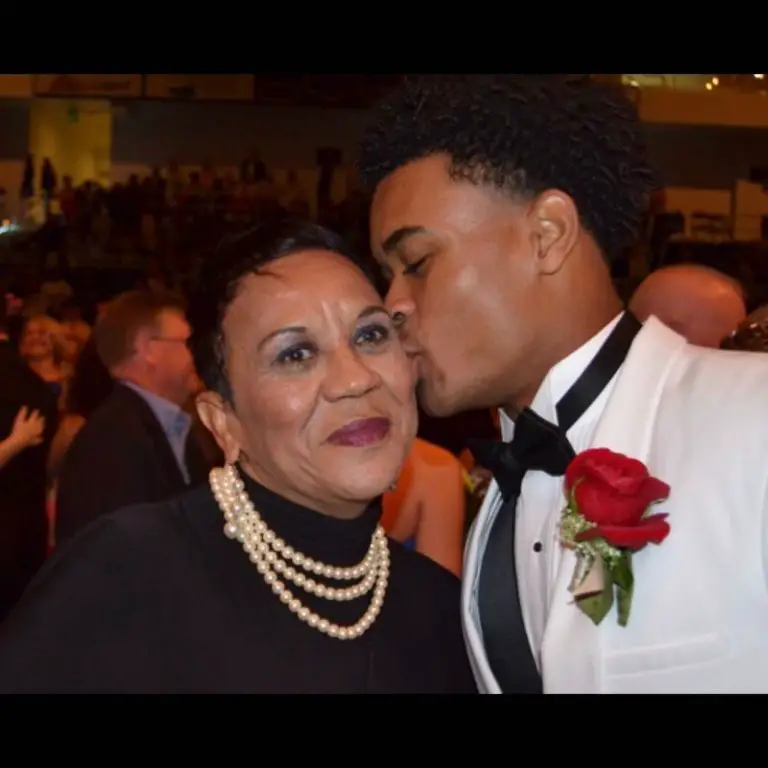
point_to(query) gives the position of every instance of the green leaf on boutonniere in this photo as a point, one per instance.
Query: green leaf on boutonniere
(598, 605)
(625, 583)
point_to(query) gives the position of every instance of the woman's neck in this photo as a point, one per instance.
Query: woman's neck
(340, 509)
(46, 369)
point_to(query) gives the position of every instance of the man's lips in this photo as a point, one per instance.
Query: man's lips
(361, 432)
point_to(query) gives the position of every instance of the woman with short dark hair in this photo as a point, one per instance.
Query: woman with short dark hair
(278, 578)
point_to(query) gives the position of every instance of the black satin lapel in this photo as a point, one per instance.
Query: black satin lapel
(599, 372)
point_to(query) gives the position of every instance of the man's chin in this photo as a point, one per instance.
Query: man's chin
(434, 404)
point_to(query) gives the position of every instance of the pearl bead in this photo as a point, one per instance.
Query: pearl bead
(266, 550)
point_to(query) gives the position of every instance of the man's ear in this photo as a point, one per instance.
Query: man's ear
(221, 422)
(555, 225)
(144, 346)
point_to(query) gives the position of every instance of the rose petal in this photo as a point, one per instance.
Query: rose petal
(654, 490)
(576, 469)
(601, 504)
(652, 530)
(624, 475)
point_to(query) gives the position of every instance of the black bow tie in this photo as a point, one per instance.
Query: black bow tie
(537, 444)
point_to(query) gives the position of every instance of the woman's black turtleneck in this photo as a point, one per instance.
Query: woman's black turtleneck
(328, 539)
(156, 599)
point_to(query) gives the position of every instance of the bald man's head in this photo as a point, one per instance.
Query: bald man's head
(702, 304)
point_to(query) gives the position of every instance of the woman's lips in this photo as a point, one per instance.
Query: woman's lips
(361, 433)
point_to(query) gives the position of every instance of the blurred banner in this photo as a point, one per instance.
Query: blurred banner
(219, 87)
(100, 86)
(15, 86)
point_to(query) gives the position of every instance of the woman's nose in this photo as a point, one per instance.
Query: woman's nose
(349, 375)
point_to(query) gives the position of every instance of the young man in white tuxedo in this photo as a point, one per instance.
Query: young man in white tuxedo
(499, 204)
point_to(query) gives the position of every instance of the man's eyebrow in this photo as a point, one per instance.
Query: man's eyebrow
(398, 236)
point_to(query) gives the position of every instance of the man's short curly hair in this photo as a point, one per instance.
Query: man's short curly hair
(524, 134)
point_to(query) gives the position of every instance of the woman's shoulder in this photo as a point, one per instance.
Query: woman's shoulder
(413, 567)
(101, 611)
(147, 534)
(137, 552)
(158, 522)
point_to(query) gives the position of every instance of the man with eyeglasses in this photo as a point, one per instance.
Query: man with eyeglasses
(140, 445)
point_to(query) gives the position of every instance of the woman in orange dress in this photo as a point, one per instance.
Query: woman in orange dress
(427, 508)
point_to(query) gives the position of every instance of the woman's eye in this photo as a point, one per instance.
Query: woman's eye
(373, 335)
(415, 266)
(294, 356)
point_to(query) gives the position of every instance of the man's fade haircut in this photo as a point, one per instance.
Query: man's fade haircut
(524, 134)
(222, 276)
(125, 316)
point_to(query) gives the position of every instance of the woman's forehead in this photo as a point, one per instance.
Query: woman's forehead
(303, 283)
(316, 269)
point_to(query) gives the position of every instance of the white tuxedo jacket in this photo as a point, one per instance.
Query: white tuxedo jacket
(699, 621)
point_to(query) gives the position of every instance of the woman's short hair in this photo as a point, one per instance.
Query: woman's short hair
(222, 275)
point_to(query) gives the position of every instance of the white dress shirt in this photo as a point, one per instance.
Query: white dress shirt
(537, 550)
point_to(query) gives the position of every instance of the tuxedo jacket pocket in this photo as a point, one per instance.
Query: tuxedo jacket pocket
(669, 657)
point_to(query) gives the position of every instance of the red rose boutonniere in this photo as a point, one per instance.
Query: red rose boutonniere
(607, 518)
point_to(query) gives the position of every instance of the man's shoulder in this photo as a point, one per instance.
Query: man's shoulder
(720, 359)
(111, 432)
(739, 378)
(717, 401)
(118, 411)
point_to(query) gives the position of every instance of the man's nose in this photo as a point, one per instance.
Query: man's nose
(400, 305)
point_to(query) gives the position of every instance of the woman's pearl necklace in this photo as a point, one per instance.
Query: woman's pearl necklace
(276, 560)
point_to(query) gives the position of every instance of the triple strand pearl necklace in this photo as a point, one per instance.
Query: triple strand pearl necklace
(276, 561)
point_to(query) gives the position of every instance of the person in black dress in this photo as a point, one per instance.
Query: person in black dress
(276, 577)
